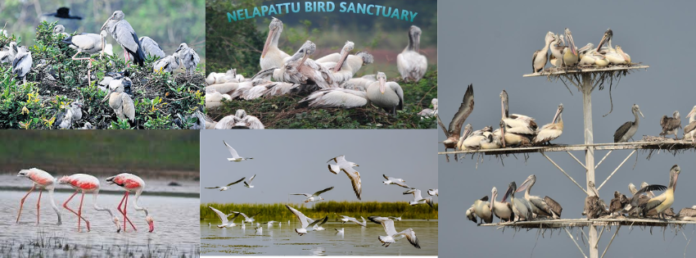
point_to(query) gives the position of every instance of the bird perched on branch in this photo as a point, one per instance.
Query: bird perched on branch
(671, 125)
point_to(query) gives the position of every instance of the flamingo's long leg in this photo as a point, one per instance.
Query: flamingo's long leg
(21, 203)
(79, 214)
(38, 207)
(65, 205)
(125, 218)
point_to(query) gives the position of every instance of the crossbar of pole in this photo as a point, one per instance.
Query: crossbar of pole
(610, 241)
(576, 159)
(576, 242)
(617, 169)
(569, 177)
(602, 160)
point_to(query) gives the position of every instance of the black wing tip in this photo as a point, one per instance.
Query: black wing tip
(485, 198)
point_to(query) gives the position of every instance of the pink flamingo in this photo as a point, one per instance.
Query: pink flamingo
(86, 184)
(131, 182)
(42, 180)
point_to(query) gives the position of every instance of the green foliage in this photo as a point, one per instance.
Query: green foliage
(278, 211)
(287, 112)
(234, 45)
(158, 97)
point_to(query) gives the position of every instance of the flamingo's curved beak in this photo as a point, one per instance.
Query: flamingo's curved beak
(150, 223)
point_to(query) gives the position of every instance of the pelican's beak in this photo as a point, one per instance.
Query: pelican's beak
(691, 113)
(150, 223)
(382, 85)
(467, 131)
(344, 55)
(601, 42)
(558, 112)
(641, 113)
(271, 34)
(507, 193)
(523, 186)
(490, 203)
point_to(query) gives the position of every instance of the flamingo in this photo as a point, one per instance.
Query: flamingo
(43, 180)
(131, 182)
(86, 184)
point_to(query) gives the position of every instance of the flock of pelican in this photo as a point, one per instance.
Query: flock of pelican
(567, 55)
(117, 86)
(516, 209)
(336, 166)
(85, 184)
(329, 80)
(670, 126)
(643, 204)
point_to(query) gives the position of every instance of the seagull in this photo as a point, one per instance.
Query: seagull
(224, 188)
(223, 217)
(303, 220)
(259, 230)
(315, 197)
(317, 226)
(433, 192)
(248, 184)
(388, 225)
(235, 156)
(394, 181)
(339, 231)
(346, 166)
(270, 223)
(249, 219)
(417, 199)
(354, 220)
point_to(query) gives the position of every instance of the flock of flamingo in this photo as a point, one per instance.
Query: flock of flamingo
(329, 80)
(86, 184)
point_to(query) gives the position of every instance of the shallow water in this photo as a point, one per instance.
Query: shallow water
(176, 227)
(282, 240)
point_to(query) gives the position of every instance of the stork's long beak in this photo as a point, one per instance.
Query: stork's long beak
(344, 55)
(382, 85)
(271, 34)
(107, 95)
(105, 23)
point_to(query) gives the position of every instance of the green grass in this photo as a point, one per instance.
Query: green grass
(278, 211)
(173, 149)
(287, 112)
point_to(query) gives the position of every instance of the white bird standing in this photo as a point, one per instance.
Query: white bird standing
(315, 197)
(119, 101)
(21, 65)
(89, 43)
(235, 156)
(150, 47)
(395, 181)
(125, 35)
(411, 64)
(347, 167)
(386, 95)
(224, 188)
(42, 180)
(417, 198)
(272, 56)
(223, 218)
(391, 236)
(240, 120)
(248, 184)
(303, 221)
(188, 57)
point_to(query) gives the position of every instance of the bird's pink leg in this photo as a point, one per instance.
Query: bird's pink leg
(21, 203)
(38, 207)
(79, 214)
(65, 205)
(125, 218)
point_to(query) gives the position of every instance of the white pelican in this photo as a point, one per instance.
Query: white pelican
(386, 95)
(391, 236)
(119, 101)
(628, 129)
(502, 209)
(557, 51)
(395, 218)
(150, 47)
(395, 181)
(480, 209)
(689, 129)
(223, 218)
(314, 197)
(240, 120)
(520, 206)
(73, 113)
(540, 57)
(472, 140)
(272, 56)
(671, 125)
(341, 98)
(224, 188)
(552, 130)
(546, 207)
(125, 35)
(664, 201)
(516, 123)
(411, 64)
(347, 167)
(21, 64)
(490, 141)
(360, 84)
(301, 70)
(281, 88)
(418, 199)
(215, 99)
(433, 192)
(303, 221)
(429, 112)
(235, 156)
(570, 53)
(248, 184)
(189, 58)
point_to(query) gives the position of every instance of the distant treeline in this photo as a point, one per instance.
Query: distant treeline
(333, 209)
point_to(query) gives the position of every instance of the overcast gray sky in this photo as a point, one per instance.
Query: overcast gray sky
(490, 45)
(294, 161)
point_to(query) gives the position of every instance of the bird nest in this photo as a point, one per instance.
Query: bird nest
(657, 144)
(582, 222)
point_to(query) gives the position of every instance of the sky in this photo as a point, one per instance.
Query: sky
(491, 45)
(294, 161)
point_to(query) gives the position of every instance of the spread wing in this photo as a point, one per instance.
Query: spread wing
(401, 183)
(319, 222)
(355, 181)
(236, 182)
(252, 178)
(411, 236)
(534, 60)
(221, 215)
(323, 191)
(690, 127)
(301, 217)
(232, 151)
(212, 187)
(467, 106)
(636, 196)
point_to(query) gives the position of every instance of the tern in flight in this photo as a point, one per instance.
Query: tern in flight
(315, 197)
(303, 220)
(395, 181)
(248, 184)
(391, 236)
(249, 219)
(223, 217)
(346, 166)
(417, 199)
(224, 188)
(235, 155)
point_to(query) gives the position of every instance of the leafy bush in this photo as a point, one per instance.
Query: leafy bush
(56, 80)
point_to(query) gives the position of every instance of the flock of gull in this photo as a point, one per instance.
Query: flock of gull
(566, 55)
(84, 183)
(336, 166)
(116, 85)
(644, 203)
(329, 80)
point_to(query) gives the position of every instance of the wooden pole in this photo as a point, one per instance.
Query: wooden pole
(587, 84)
